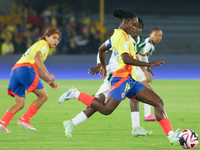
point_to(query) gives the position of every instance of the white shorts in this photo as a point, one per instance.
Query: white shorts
(140, 74)
(105, 87)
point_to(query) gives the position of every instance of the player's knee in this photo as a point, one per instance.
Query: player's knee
(101, 97)
(160, 102)
(20, 106)
(107, 112)
(134, 105)
(44, 98)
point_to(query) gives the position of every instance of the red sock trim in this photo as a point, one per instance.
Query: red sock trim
(8, 116)
(166, 125)
(32, 110)
(86, 99)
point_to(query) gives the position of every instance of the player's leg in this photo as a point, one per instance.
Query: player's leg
(148, 96)
(81, 117)
(33, 109)
(8, 116)
(94, 102)
(95, 105)
(17, 90)
(135, 118)
(31, 81)
(136, 129)
(147, 108)
(105, 109)
(88, 112)
(146, 81)
(101, 93)
(115, 95)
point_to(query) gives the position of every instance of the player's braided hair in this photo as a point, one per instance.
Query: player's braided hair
(123, 14)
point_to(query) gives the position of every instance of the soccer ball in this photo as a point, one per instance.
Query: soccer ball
(188, 139)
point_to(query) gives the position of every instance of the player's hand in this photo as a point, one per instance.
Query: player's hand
(151, 72)
(103, 72)
(51, 76)
(155, 63)
(53, 85)
(94, 70)
(149, 79)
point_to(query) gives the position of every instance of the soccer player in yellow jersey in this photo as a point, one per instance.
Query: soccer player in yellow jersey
(124, 81)
(25, 75)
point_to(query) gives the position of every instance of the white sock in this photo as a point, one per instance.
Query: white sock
(79, 118)
(77, 93)
(147, 110)
(135, 117)
(170, 134)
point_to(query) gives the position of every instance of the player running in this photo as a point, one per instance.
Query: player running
(123, 82)
(139, 43)
(25, 75)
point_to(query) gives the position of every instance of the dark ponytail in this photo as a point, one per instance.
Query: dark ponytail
(122, 14)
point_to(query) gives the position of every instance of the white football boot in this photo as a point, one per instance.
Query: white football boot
(67, 95)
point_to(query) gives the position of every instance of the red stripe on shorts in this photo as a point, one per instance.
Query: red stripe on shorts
(11, 93)
(35, 82)
(133, 97)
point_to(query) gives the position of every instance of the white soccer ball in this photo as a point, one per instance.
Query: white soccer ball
(188, 139)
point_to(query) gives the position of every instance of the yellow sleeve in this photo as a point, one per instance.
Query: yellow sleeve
(42, 47)
(123, 44)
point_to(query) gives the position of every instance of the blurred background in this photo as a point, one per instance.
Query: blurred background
(85, 24)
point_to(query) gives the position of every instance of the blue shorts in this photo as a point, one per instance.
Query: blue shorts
(125, 87)
(23, 78)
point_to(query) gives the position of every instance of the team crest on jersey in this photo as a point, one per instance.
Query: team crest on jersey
(123, 95)
(44, 48)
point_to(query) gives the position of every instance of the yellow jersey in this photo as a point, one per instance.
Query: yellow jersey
(27, 58)
(121, 43)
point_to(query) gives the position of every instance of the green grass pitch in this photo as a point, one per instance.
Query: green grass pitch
(181, 100)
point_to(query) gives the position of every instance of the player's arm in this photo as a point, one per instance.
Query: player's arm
(41, 65)
(95, 70)
(43, 77)
(148, 69)
(105, 46)
(131, 61)
(151, 72)
(102, 54)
